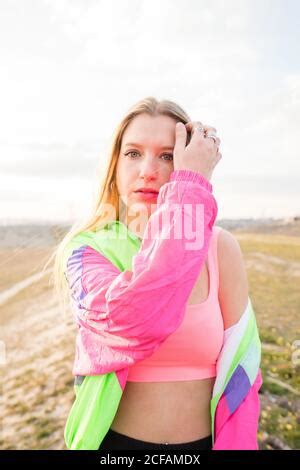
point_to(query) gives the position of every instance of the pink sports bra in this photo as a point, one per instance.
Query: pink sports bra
(191, 352)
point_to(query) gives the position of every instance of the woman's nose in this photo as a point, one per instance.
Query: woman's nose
(148, 168)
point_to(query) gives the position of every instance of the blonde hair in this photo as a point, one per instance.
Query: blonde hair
(107, 193)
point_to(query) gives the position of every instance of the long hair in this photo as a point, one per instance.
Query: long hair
(107, 195)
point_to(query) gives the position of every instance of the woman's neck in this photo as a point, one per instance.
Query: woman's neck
(135, 224)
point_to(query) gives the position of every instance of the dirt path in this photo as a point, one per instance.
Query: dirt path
(37, 385)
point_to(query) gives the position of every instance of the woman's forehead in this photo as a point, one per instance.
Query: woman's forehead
(144, 129)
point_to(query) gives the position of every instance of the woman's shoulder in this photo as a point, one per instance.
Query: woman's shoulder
(233, 282)
(227, 242)
(230, 255)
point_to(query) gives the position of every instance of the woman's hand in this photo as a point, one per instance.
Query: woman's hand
(202, 152)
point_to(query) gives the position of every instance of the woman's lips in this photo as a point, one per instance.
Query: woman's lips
(146, 195)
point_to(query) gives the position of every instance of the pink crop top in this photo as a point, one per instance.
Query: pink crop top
(191, 352)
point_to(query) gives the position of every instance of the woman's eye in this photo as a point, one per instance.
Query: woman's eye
(170, 155)
(130, 153)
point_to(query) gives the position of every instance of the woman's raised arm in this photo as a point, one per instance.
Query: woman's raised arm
(132, 312)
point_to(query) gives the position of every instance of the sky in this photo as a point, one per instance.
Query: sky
(71, 69)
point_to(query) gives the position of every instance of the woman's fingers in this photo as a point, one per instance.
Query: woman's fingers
(215, 139)
(208, 130)
(191, 125)
(201, 151)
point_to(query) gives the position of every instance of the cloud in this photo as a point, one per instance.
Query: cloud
(270, 137)
(72, 68)
(56, 160)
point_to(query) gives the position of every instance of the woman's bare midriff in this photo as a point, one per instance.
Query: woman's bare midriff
(172, 412)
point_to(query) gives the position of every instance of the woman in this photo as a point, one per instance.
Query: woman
(163, 320)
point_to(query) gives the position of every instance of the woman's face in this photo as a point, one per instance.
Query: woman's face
(145, 160)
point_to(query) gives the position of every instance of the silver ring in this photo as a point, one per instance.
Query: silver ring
(212, 136)
(199, 128)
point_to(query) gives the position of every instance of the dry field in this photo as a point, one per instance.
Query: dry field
(37, 385)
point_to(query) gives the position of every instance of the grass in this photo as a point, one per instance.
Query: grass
(268, 336)
(281, 423)
(275, 294)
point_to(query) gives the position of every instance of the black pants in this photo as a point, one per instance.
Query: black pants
(114, 440)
